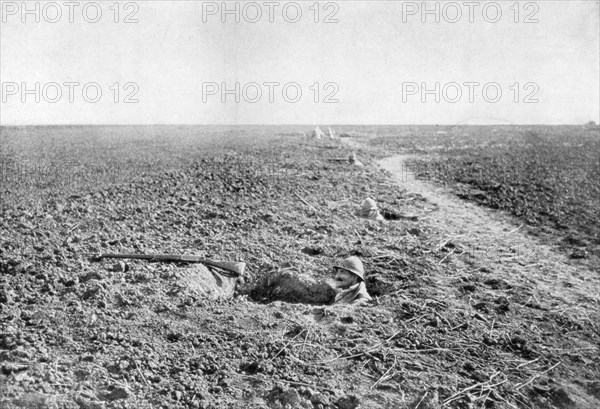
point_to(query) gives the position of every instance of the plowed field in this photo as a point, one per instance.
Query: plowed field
(470, 309)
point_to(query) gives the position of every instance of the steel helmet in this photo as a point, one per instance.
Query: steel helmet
(353, 265)
(368, 204)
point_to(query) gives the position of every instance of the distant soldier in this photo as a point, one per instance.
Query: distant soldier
(369, 210)
(331, 133)
(353, 161)
(317, 133)
(350, 280)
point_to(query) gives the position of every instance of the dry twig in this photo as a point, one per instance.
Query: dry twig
(521, 385)
(484, 385)
(514, 230)
(305, 202)
(528, 362)
(446, 256)
(385, 374)
(364, 352)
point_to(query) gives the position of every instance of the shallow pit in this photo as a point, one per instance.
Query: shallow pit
(293, 286)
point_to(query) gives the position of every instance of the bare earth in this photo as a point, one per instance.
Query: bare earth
(554, 282)
(471, 309)
(557, 282)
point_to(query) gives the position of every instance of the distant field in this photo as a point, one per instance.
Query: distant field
(549, 176)
(39, 163)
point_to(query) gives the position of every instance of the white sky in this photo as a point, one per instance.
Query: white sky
(369, 53)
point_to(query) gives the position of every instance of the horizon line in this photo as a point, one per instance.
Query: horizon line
(305, 124)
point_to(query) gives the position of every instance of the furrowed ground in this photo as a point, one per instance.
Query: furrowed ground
(444, 330)
(547, 176)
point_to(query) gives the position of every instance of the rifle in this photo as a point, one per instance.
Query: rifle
(237, 268)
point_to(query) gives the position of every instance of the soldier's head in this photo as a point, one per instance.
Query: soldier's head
(349, 272)
(368, 204)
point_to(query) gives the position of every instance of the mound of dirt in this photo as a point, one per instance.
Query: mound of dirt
(204, 280)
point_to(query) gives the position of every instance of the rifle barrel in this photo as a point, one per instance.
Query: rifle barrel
(165, 257)
(236, 267)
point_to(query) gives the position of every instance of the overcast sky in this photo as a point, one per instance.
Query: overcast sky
(370, 61)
